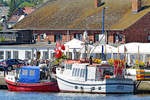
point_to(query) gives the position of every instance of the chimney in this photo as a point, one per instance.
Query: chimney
(136, 6)
(97, 3)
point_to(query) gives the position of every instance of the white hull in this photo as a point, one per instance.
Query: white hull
(104, 86)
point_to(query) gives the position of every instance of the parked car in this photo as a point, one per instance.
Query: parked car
(9, 64)
(2, 67)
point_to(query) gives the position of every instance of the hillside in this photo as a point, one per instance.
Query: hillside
(76, 14)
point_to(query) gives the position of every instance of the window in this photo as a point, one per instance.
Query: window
(8, 54)
(35, 36)
(53, 55)
(76, 56)
(15, 54)
(1, 54)
(116, 38)
(96, 37)
(25, 72)
(78, 72)
(28, 54)
(78, 36)
(69, 66)
(45, 55)
(41, 36)
(32, 72)
(73, 71)
(148, 37)
(82, 72)
(58, 37)
(120, 37)
(84, 55)
(69, 55)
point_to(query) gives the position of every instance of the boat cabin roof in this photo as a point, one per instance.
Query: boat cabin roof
(31, 67)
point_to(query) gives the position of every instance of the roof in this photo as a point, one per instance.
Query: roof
(28, 10)
(128, 19)
(19, 13)
(82, 14)
(27, 46)
(14, 18)
(30, 67)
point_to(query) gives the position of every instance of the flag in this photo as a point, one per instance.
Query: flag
(63, 47)
(58, 53)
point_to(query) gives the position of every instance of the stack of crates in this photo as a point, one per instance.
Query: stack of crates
(142, 74)
(147, 75)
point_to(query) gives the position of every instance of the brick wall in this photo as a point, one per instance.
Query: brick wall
(91, 33)
(139, 31)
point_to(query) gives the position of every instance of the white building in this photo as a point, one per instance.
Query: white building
(27, 51)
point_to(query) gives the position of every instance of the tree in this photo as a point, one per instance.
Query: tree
(26, 4)
(12, 7)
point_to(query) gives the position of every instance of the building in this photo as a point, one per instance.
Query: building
(3, 10)
(27, 51)
(8, 37)
(63, 20)
(18, 15)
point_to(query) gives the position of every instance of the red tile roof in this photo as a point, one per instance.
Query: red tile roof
(14, 18)
(28, 10)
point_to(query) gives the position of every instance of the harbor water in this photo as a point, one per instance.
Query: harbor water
(7, 95)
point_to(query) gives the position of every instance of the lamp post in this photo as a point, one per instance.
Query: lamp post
(103, 20)
(103, 24)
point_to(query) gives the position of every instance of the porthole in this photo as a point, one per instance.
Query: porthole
(76, 87)
(99, 88)
(81, 88)
(93, 88)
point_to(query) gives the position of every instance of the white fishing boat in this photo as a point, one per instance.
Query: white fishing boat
(89, 77)
(92, 78)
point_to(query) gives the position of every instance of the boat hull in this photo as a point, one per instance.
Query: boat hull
(102, 87)
(41, 87)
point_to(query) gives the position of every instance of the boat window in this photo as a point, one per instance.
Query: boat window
(69, 66)
(73, 72)
(81, 72)
(32, 72)
(24, 72)
(78, 72)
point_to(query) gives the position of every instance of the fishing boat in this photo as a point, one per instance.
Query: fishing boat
(93, 78)
(30, 78)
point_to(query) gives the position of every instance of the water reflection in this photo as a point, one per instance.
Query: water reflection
(6, 95)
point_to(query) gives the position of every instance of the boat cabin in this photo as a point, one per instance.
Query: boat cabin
(86, 72)
(29, 74)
